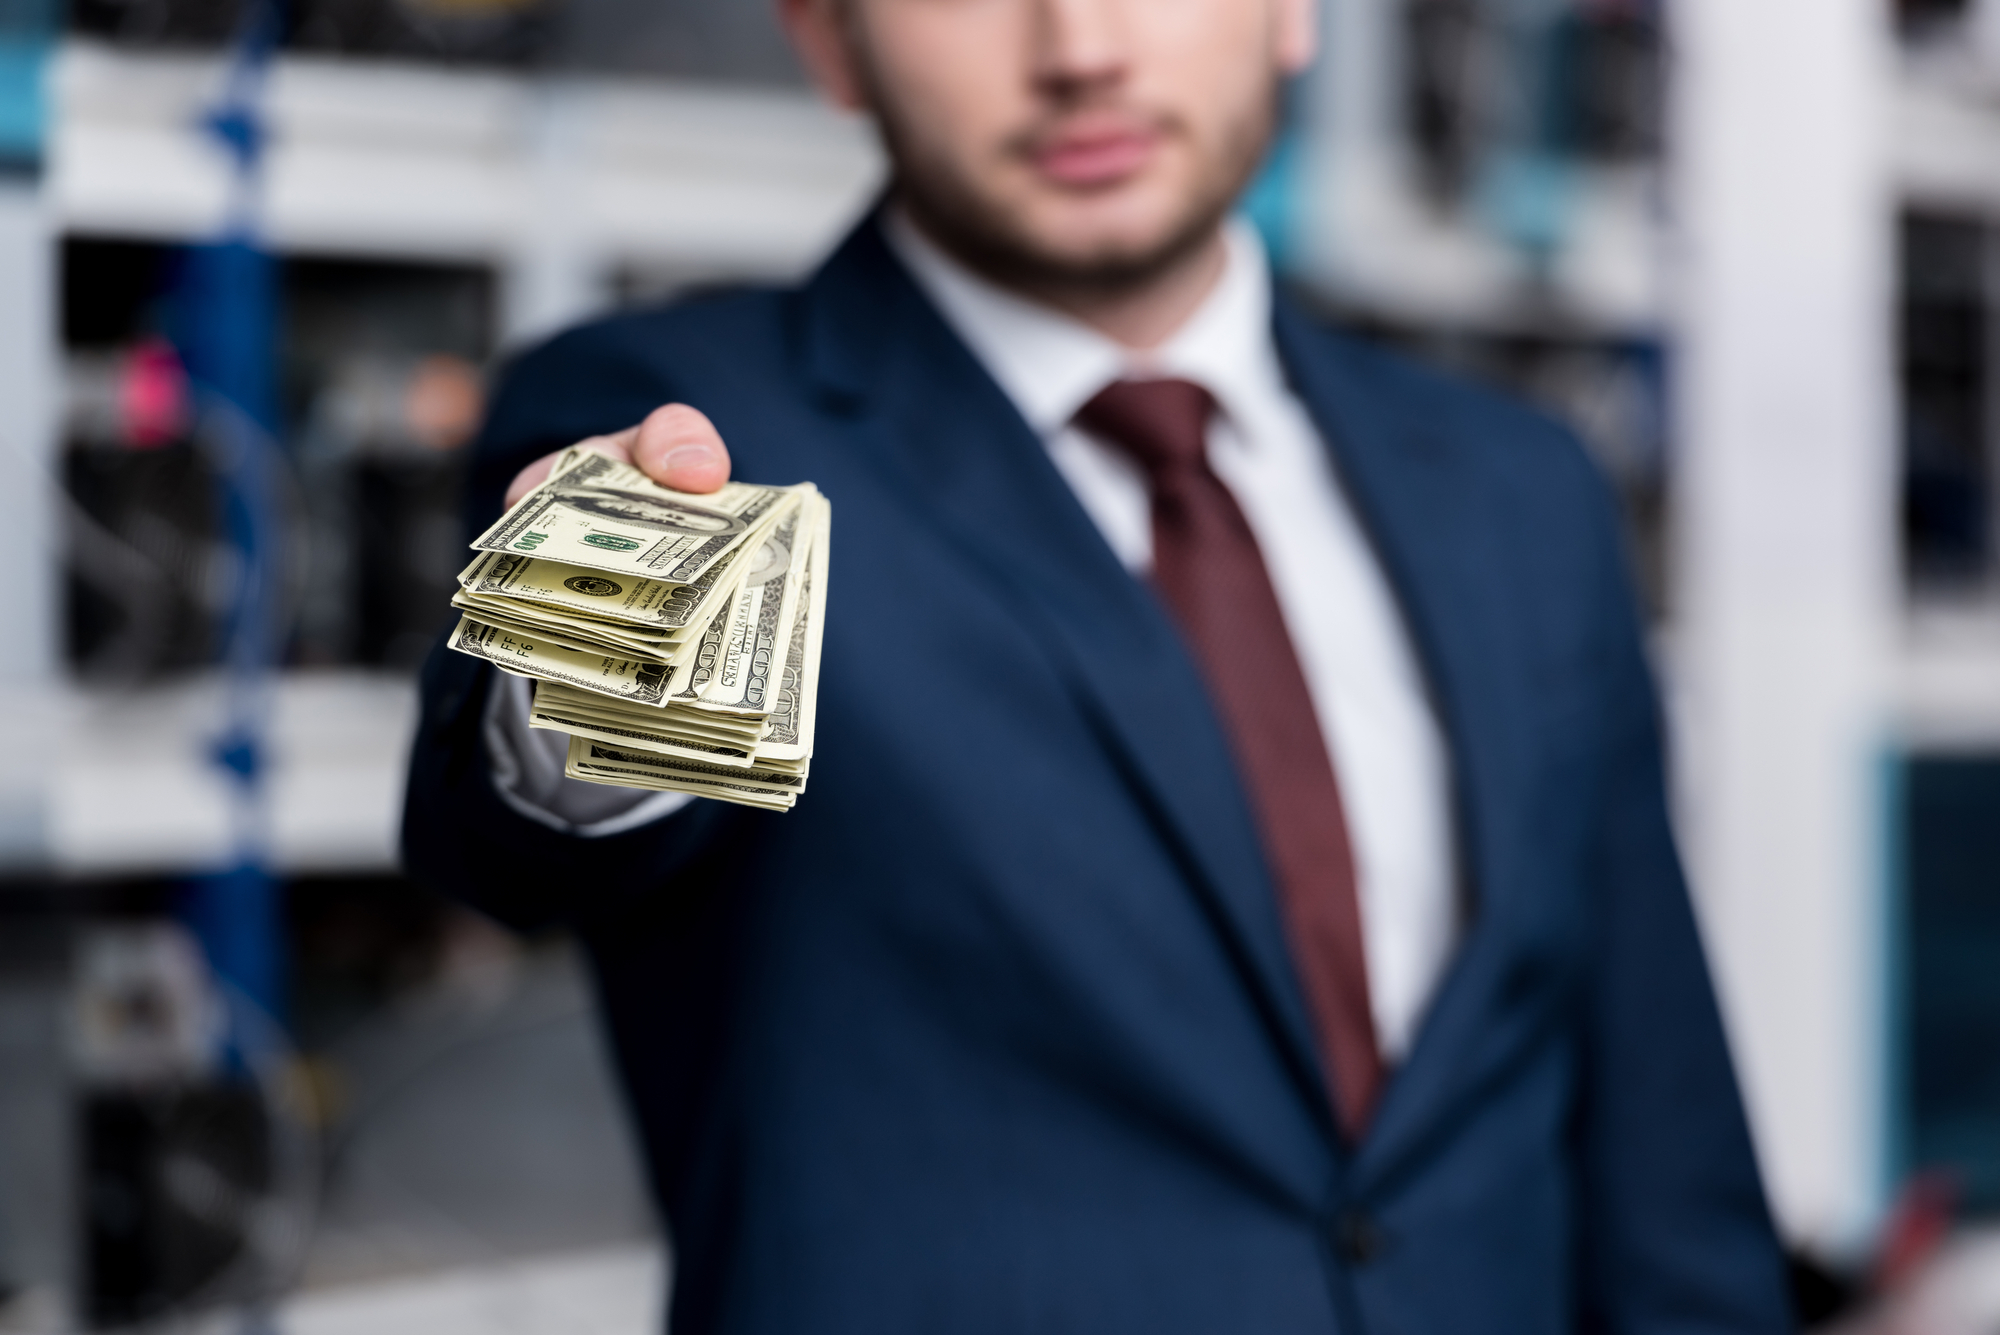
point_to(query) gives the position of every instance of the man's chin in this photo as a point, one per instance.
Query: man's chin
(1136, 218)
(1089, 237)
(1113, 256)
(1100, 239)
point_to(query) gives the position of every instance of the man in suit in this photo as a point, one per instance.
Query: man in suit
(1235, 890)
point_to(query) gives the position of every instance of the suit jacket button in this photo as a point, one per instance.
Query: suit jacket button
(1357, 1238)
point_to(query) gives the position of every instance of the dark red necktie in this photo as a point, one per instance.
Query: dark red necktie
(1207, 567)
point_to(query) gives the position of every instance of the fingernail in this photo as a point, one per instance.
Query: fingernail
(687, 455)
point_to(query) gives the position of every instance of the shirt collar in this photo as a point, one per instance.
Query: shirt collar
(1051, 364)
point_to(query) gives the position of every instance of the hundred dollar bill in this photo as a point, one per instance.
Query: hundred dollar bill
(605, 515)
(634, 736)
(581, 636)
(627, 678)
(564, 632)
(594, 763)
(671, 769)
(738, 673)
(667, 731)
(651, 605)
(791, 730)
(554, 699)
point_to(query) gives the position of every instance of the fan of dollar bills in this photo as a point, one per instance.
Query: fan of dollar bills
(674, 637)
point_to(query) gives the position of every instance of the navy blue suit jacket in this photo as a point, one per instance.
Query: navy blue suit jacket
(996, 1032)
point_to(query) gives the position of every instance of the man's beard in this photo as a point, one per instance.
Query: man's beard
(943, 199)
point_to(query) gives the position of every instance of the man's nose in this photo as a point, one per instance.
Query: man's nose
(1080, 44)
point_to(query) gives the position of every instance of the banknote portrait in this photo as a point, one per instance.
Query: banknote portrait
(771, 560)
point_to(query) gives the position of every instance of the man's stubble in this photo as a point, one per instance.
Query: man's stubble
(943, 197)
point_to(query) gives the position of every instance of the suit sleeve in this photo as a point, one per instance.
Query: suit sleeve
(460, 834)
(1676, 1235)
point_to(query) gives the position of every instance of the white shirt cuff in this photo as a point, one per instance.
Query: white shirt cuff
(528, 773)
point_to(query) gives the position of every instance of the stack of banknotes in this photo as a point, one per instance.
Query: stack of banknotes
(674, 637)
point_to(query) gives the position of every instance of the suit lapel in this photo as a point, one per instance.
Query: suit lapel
(943, 434)
(1420, 499)
(919, 408)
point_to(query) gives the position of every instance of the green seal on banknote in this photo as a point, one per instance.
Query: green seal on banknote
(595, 585)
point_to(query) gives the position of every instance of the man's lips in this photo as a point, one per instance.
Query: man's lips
(1094, 158)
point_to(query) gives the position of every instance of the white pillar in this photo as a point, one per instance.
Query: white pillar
(36, 1182)
(1352, 174)
(30, 545)
(1785, 502)
(553, 275)
(1985, 32)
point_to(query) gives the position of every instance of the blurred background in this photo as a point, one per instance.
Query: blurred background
(258, 266)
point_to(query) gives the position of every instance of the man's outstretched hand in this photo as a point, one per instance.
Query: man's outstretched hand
(676, 446)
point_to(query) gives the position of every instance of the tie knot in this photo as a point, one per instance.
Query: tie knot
(1162, 424)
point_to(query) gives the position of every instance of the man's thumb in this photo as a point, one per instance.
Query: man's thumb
(679, 447)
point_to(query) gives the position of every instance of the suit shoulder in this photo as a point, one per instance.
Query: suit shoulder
(1460, 409)
(655, 341)
(1489, 481)
(608, 374)
(1535, 465)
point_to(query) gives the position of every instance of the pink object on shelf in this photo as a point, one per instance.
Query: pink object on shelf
(152, 396)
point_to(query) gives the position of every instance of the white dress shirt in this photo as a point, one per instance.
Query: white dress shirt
(1367, 689)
